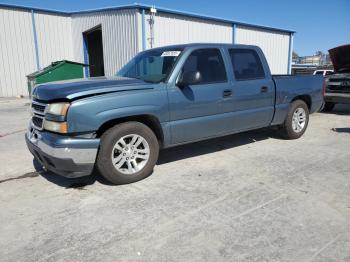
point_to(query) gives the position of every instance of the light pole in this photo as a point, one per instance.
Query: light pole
(153, 11)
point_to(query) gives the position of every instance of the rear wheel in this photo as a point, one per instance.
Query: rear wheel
(128, 153)
(297, 120)
(328, 106)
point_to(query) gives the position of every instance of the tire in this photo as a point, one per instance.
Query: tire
(288, 130)
(328, 107)
(108, 153)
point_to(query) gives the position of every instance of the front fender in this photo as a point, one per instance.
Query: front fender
(88, 114)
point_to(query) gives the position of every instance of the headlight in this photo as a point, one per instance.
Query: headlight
(59, 109)
(58, 127)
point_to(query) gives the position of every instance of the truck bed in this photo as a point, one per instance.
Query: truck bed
(290, 87)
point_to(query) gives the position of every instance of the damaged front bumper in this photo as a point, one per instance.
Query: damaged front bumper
(66, 156)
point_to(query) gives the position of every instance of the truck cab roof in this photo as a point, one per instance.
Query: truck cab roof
(206, 45)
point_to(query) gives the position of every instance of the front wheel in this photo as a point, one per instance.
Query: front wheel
(128, 153)
(297, 120)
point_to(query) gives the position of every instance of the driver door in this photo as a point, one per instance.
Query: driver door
(196, 110)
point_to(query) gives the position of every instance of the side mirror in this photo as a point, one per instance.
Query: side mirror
(189, 78)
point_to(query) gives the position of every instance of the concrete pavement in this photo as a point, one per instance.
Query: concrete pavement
(245, 197)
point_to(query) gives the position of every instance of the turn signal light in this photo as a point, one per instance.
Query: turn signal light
(58, 127)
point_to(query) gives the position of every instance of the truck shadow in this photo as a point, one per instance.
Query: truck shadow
(68, 183)
(341, 130)
(166, 156)
(340, 109)
(214, 145)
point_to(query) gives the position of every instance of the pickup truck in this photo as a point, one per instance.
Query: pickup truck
(338, 83)
(163, 97)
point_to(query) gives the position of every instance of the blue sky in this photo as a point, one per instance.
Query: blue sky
(320, 24)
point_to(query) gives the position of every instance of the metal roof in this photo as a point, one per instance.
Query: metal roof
(189, 45)
(29, 8)
(147, 7)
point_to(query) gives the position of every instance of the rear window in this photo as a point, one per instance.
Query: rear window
(246, 64)
(319, 73)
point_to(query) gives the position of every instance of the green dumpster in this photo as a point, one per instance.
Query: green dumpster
(60, 70)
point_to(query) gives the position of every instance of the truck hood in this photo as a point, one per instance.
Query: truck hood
(73, 89)
(340, 57)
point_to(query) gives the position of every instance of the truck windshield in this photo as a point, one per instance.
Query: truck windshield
(151, 66)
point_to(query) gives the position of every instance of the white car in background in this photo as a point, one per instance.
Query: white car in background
(323, 72)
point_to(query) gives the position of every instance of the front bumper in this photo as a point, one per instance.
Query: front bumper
(341, 98)
(65, 156)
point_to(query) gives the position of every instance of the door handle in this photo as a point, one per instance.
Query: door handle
(227, 93)
(264, 89)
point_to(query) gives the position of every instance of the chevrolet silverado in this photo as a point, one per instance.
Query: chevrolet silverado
(162, 98)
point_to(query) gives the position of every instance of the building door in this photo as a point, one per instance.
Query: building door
(94, 51)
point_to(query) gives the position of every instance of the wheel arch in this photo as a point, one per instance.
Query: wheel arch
(306, 98)
(149, 120)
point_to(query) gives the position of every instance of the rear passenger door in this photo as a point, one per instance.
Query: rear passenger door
(252, 102)
(196, 110)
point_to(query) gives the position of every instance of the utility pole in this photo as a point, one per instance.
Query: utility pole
(151, 25)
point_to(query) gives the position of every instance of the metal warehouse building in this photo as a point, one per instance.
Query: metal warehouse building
(32, 38)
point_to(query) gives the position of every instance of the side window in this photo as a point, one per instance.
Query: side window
(209, 63)
(246, 64)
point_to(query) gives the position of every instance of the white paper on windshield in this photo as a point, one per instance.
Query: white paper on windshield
(171, 53)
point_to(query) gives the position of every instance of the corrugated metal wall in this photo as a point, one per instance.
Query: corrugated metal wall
(60, 36)
(17, 55)
(17, 49)
(177, 29)
(54, 33)
(119, 33)
(274, 44)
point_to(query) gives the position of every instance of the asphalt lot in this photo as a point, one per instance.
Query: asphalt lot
(246, 197)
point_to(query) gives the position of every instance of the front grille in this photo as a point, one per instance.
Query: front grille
(38, 108)
(38, 122)
(338, 89)
(339, 79)
(343, 87)
(38, 112)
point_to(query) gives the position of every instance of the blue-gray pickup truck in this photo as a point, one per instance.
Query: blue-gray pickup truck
(164, 97)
